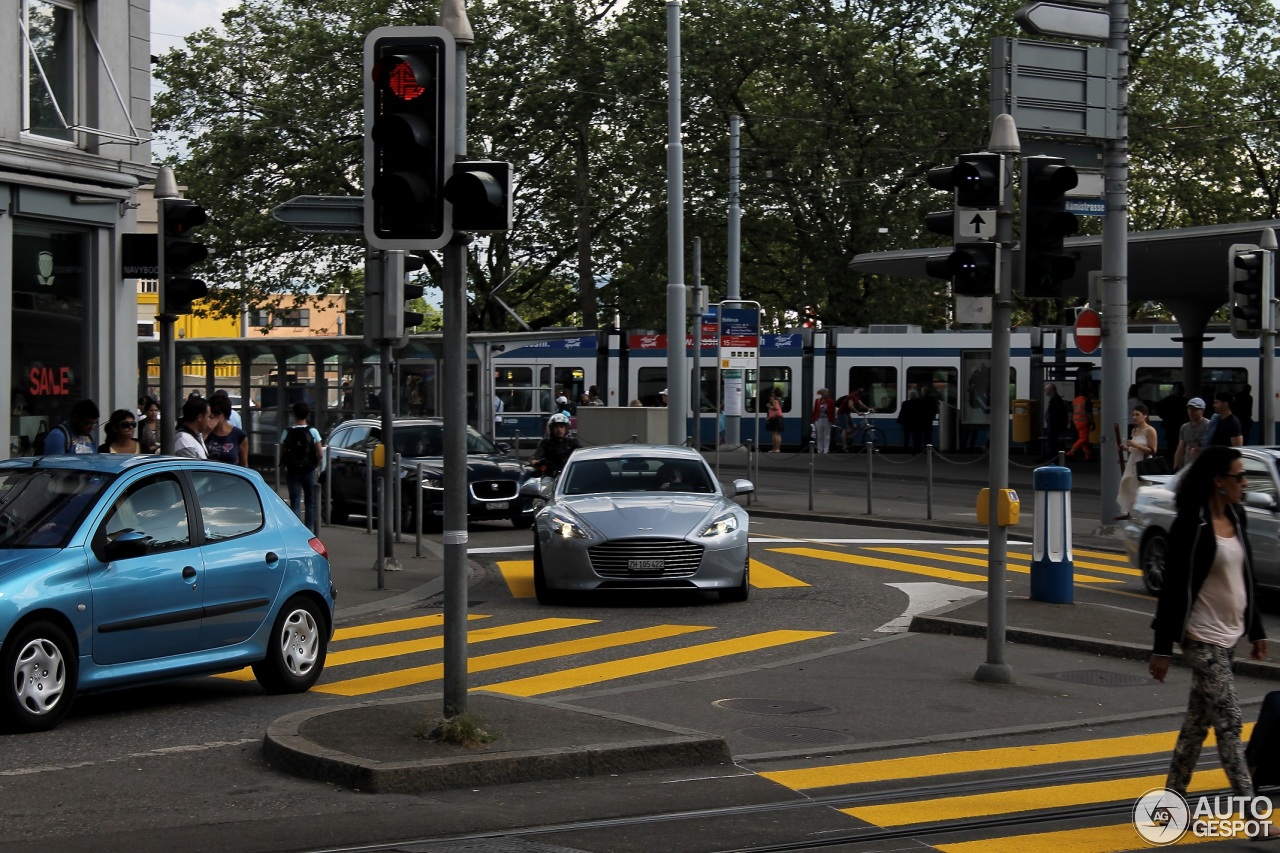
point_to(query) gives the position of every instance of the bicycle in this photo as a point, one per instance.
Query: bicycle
(864, 433)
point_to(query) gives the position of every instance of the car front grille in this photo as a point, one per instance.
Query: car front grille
(494, 490)
(679, 558)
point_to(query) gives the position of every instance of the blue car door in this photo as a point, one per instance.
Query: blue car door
(243, 553)
(149, 606)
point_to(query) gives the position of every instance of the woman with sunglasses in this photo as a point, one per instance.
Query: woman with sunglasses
(119, 431)
(1206, 605)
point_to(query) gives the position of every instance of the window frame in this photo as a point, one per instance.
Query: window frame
(35, 78)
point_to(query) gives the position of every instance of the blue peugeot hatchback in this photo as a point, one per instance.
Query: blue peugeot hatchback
(122, 570)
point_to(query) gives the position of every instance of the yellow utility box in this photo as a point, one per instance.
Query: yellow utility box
(1008, 507)
(379, 455)
(1023, 426)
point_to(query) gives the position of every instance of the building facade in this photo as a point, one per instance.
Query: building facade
(75, 125)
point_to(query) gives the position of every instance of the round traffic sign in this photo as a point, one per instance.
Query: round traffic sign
(1088, 330)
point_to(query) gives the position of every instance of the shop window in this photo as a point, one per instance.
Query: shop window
(51, 68)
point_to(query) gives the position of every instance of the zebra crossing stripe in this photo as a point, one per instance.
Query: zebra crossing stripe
(877, 563)
(1079, 564)
(767, 577)
(519, 577)
(394, 626)
(590, 675)
(1102, 555)
(1116, 838)
(973, 561)
(551, 651)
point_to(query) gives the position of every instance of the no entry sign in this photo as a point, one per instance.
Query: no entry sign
(1088, 331)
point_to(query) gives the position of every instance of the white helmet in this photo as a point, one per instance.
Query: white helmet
(559, 418)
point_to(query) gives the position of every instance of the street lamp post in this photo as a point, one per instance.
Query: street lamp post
(166, 187)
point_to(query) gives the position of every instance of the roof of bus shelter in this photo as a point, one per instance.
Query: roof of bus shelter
(351, 347)
(1186, 265)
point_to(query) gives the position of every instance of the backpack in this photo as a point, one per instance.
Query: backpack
(37, 446)
(299, 450)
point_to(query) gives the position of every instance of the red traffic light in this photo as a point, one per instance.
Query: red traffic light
(405, 76)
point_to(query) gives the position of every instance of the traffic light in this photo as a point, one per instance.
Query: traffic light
(1045, 222)
(408, 136)
(1249, 290)
(178, 252)
(397, 319)
(480, 192)
(977, 187)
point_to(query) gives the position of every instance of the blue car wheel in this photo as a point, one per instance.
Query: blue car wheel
(296, 649)
(40, 663)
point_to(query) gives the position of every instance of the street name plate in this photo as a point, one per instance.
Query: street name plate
(1056, 89)
(322, 214)
(1087, 206)
(1056, 19)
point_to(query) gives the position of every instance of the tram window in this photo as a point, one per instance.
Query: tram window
(759, 390)
(649, 384)
(708, 389)
(514, 386)
(878, 386)
(1156, 383)
(940, 381)
(1219, 379)
(569, 383)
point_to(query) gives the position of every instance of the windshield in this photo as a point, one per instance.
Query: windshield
(428, 440)
(40, 508)
(637, 474)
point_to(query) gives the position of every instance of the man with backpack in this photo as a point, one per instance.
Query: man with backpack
(300, 455)
(75, 434)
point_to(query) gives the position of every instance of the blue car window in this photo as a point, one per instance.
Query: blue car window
(155, 507)
(229, 505)
(40, 508)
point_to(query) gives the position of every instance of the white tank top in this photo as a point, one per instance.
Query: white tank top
(1217, 617)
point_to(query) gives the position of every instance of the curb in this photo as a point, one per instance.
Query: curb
(287, 747)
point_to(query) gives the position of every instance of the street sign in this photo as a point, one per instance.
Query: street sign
(1088, 331)
(739, 338)
(1056, 89)
(973, 225)
(1087, 206)
(322, 214)
(1056, 19)
(139, 256)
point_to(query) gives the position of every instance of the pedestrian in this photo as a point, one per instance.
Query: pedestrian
(1056, 420)
(119, 431)
(773, 419)
(194, 426)
(1172, 411)
(1242, 408)
(1142, 444)
(74, 436)
(1191, 436)
(149, 425)
(824, 415)
(233, 417)
(1224, 426)
(1082, 420)
(225, 443)
(1206, 604)
(301, 452)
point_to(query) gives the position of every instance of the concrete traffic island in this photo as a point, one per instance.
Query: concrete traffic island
(377, 747)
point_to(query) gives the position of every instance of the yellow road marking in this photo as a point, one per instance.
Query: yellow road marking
(767, 577)
(1025, 800)
(587, 675)
(876, 563)
(551, 651)
(519, 577)
(1093, 839)
(973, 561)
(1102, 555)
(356, 632)
(1079, 564)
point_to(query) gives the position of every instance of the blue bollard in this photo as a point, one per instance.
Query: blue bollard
(1052, 573)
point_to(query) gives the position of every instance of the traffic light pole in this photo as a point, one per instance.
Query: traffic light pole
(1267, 376)
(168, 381)
(1004, 141)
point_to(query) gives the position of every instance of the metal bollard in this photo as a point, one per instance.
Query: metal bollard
(928, 481)
(417, 499)
(813, 453)
(751, 452)
(397, 499)
(368, 496)
(313, 493)
(871, 455)
(328, 485)
(1052, 572)
(516, 439)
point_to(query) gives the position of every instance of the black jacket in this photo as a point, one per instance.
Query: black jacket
(1192, 547)
(554, 453)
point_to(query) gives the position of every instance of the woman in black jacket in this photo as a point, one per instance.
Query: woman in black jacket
(1206, 605)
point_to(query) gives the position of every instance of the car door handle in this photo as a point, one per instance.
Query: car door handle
(272, 557)
(188, 572)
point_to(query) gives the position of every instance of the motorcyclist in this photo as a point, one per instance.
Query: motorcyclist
(553, 451)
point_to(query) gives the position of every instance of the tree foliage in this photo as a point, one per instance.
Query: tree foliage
(844, 104)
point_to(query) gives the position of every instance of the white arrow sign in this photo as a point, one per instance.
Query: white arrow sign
(1056, 19)
(973, 224)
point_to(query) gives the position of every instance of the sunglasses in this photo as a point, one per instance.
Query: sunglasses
(1237, 475)
(127, 425)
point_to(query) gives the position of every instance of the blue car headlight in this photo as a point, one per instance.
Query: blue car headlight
(723, 525)
(567, 527)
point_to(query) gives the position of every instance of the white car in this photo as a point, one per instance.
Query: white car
(1146, 533)
(639, 517)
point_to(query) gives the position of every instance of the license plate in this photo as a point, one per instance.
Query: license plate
(645, 564)
(499, 505)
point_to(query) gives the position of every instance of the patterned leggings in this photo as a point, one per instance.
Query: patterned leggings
(1213, 703)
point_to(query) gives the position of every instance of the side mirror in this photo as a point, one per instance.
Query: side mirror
(503, 447)
(531, 488)
(743, 487)
(127, 545)
(1260, 500)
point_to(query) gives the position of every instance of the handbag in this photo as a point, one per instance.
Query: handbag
(1153, 465)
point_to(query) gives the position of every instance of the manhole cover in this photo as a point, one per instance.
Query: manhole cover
(775, 707)
(1100, 678)
(796, 735)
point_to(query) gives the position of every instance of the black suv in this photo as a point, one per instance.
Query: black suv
(493, 479)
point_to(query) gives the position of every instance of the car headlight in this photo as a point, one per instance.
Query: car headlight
(567, 527)
(723, 525)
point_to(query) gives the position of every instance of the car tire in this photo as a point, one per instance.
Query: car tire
(296, 649)
(541, 591)
(1155, 551)
(41, 665)
(743, 590)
